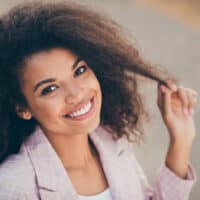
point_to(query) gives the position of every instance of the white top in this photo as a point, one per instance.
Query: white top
(105, 195)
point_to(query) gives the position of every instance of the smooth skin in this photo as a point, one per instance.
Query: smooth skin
(176, 105)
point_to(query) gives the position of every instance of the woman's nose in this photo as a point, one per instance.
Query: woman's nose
(73, 93)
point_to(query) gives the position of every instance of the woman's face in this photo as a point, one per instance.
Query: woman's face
(62, 92)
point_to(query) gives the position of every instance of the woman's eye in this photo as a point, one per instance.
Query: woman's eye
(80, 70)
(49, 89)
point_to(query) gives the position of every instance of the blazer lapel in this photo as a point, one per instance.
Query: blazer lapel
(52, 179)
(114, 155)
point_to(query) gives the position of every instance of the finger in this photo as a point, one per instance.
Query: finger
(171, 85)
(193, 92)
(191, 103)
(184, 99)
(166, 100)
(192, 100)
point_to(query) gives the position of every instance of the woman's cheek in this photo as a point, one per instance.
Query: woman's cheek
(50, 106)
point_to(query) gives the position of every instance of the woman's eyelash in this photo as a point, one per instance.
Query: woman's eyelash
(48, 89)
(51, 88)
(80, 70)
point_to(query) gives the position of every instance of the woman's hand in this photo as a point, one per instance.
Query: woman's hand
(176, 105)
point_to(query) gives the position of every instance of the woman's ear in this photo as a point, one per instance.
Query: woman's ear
(23, 113)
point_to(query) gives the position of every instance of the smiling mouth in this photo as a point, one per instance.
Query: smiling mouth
(83, 112)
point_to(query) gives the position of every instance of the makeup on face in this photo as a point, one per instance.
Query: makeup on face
(50, 80)
(62, 92)
(84, 111)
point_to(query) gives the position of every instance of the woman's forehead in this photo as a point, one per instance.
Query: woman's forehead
(56, 55)
(49, 63)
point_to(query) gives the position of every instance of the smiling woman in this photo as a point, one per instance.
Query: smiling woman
(69, 103)
(59, 88)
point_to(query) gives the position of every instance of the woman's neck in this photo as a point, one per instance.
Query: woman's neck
(75, 152)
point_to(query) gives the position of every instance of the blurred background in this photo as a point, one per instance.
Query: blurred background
(166, 33)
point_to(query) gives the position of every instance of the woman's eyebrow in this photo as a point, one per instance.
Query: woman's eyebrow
(76, 62)
(53, 79)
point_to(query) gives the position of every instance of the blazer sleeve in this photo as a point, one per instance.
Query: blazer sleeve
(14, 179)
(167, 185)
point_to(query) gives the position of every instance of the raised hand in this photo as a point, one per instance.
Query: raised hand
(176, 105)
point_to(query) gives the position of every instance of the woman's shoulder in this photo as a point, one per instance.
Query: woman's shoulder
(16, 175)
(14, 163)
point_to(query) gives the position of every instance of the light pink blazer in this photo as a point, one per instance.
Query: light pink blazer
(37, 173)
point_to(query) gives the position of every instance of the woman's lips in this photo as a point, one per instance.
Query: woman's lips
(83, 116)
(81, 105)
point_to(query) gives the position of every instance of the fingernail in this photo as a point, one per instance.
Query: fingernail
(162, 88)
(174, 87)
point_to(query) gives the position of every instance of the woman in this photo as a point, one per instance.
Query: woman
(70, 103)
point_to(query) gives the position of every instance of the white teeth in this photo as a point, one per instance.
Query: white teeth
(82, 111)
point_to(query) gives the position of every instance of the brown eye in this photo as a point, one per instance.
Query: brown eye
(80, 70)
(49, 89)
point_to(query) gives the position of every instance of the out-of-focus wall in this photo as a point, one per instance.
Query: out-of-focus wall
(186, 11)
(162, 40)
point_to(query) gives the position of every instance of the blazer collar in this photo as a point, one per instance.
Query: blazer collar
(52, 177)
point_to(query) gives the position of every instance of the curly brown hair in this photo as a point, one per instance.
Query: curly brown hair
(33, 27)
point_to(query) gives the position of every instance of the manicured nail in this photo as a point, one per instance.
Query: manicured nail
(174, 87)
(162, 88)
